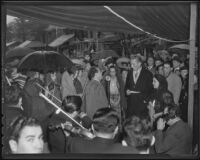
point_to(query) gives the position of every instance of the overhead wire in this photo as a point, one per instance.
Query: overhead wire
(133, 25)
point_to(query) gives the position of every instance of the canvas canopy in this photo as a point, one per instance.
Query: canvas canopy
(168, 20)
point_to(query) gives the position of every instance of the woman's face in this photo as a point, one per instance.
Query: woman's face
(112, 72)
(155, 83)
(53, 76)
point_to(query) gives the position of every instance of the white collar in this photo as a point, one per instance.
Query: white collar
(139, 70)
(149, 67)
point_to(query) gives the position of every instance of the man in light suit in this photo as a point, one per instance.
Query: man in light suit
(174, 81)
(138, 87)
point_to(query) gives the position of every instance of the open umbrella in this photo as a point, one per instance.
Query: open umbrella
(18, 52)
(44, 61)
(104, 54)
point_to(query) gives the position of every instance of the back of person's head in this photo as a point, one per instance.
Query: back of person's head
(93, 70)
(23, 134)
(105, 120)
(12, 94)
(163, 85)
(72, 103)
(137, 132)
(168, 63)
(72, 70)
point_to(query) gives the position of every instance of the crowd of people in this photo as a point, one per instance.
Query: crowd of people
(136, 107)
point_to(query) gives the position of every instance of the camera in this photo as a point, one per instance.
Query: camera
(165, 117)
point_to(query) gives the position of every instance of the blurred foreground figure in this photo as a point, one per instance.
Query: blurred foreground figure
(137, 134)
(12, 106)
(25, 136)
(104, 126)
(56, 133)
(177, 139)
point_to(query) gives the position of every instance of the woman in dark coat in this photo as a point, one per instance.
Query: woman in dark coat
(159, 99)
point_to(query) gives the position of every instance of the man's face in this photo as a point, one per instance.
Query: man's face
(150, 61)
(53, 76)
(99, 74)
(157, 63)
(184, 73)
(175, 63)
(87, 57)
(135, 64)
(41, 77)
(167, 69)
(155, 83)
(160, 70)
(30, 140)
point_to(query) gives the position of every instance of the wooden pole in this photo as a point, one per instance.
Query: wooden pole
(193, 23)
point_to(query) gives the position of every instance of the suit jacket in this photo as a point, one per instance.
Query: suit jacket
(135, 102)
(94, 98)
(177, 139)
(119, 149)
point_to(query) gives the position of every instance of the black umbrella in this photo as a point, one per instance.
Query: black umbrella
(18, 52)
(104, 54)
(44, 61)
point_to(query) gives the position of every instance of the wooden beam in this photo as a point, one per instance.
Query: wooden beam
(193, 24)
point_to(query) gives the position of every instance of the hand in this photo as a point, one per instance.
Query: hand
(160, 124)
(151, 110)
(166, 110)
(150, 105)
(128, 92)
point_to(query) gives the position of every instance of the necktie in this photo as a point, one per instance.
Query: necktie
(136, 75)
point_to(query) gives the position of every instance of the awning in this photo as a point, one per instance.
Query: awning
(167, 20)
(11, 43)
(31, 44)
(60, 40)
(182, 46)
(52, 27)
(109, 38)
